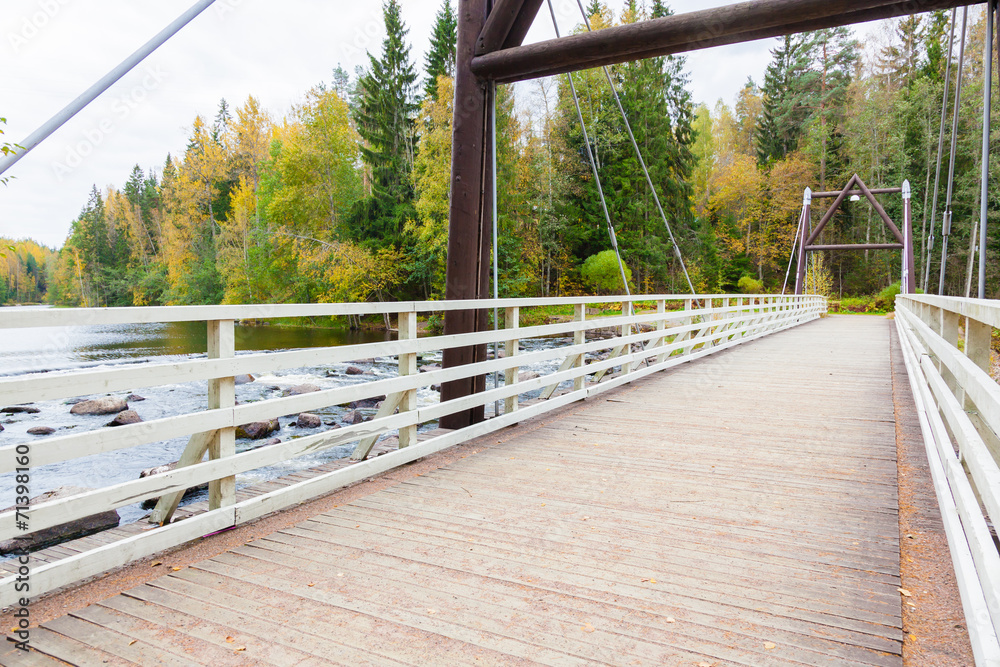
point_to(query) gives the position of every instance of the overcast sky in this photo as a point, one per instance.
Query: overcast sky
(55, 49)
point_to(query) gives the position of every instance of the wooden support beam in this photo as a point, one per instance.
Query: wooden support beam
(507, 25)
(468, 228)
(731, 24)
(856, 246)
(522, 23)
(856, 193)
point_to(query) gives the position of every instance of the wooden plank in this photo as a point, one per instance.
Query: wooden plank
(108, 641)
(729, 24)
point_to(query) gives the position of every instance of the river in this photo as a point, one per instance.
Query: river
(59, 350)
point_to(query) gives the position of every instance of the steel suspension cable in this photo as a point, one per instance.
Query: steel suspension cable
(946, 219)
(795, 243)
(593, 164)
(638, 154)
(929, 241)
(984, 185)
(108, 80)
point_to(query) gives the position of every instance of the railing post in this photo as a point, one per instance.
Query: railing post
(626, 331)
(687, 321)
(407, 325)
(661, 325)
(222, 394)
(978, 343)
(511, 321)
(579, 338)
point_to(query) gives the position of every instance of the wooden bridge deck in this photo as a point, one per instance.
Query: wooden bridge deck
(739, 510)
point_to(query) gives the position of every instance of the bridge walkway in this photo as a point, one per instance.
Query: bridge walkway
(738, 510)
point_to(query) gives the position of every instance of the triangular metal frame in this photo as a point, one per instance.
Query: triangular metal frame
(904, 239)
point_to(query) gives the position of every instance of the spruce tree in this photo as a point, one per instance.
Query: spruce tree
(440, 60)
(786, 108)
(385, 118)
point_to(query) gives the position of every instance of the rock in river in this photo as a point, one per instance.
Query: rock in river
(257, 430)
(353, 370)
(70, 530)
(124, 418)
(21, 409)
(150, 503)
(353, 417)
(308, 420)
(41, 430)
(109, 405)
(300, 389)
(245, 379)
(372, 402)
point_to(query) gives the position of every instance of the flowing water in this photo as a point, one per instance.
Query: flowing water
(59, 350)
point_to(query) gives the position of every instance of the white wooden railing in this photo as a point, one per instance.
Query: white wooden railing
(958, 404)
(658, 333)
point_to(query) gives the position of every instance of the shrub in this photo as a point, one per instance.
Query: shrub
(886, 299)
(601, 272)
(749, 285)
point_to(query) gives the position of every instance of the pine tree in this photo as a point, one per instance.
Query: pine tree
(440, 60)
(385, 117)
(834, 54)
(785, 110)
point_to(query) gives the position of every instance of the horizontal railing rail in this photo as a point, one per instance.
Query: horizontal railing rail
(958, 405)
(674, 330)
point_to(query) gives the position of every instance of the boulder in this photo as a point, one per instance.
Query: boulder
(257, 430)
(21, 409)
(41, 430)
(70, 530)
(109, 405)
(353, 417)
(124, 418)
(1, 429)
(430, 367)
(135, 398)
(332, 424)
(353, 370)
(150, 503)
(524, 376)
(300, 389)
(366, 402)
(436, 387)
(272, 441)
(308, 420)
(244, 379)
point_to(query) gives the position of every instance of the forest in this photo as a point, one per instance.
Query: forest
(345, 198)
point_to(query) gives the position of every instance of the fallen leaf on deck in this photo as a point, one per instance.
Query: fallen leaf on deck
(156, 562)
(311, 585)
(432, 611)
(588, 628)
(176, 569)
(904, 592)
(230, 640)
(242, 648)
(132, 642)
(770, 645)
(671, 619)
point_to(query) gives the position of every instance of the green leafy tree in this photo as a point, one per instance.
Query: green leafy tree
(603, 273)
